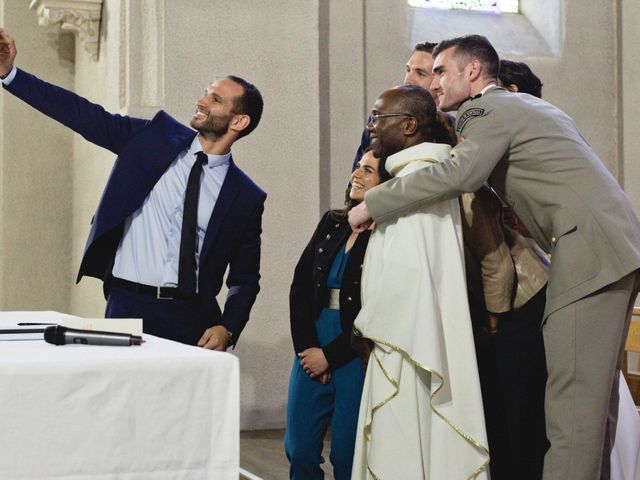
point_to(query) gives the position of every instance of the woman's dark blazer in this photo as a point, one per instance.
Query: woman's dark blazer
(309, 293)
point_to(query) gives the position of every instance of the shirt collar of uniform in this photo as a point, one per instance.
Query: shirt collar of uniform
(213, 160)
(480, 93)
(485, 89)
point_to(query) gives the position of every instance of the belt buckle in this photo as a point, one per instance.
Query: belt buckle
(159, 295)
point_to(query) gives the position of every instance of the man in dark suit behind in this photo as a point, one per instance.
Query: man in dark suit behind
(176, 210)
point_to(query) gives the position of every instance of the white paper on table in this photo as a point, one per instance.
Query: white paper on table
(132, 326)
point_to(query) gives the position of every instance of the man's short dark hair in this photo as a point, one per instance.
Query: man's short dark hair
(471, 47)
(520, 75)
(418, 103)
(425, 47)
(249, 103)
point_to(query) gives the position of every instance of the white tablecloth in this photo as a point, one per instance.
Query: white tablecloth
(162, 410)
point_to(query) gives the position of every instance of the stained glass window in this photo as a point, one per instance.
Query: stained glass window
(498, 6)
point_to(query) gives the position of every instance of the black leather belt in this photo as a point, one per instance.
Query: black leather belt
(161, 293)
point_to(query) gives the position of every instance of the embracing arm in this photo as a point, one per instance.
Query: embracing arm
(90, 120)
(485, 141)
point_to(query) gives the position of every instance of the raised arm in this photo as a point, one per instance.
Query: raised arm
(88, 119)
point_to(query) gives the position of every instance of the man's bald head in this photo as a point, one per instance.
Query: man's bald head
(401, 117)
(417, 102)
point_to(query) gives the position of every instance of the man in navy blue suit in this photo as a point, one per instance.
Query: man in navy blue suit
(176, 210)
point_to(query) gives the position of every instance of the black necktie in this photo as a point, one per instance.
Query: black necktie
(187, 266)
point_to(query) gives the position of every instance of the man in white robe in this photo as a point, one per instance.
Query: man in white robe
(421, 413)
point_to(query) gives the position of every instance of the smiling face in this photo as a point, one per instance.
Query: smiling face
(214, 111)
(365, 176)
(386, 132)
(451, 83)
(419, 71)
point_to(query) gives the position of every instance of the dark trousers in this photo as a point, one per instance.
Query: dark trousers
(175, 319)
(512, 369)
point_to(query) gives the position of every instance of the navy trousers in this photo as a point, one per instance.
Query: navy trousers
(175, 319)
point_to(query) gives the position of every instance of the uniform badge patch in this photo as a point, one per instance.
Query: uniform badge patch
(472, 112)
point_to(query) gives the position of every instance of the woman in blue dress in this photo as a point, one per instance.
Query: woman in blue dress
(328, 370)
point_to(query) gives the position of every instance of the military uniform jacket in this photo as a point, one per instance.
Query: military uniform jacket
(535, 158)
(309, 293)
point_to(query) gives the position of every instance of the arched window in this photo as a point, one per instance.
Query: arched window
(498, 6)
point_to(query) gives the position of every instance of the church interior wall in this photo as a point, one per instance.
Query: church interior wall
(35, 171)
(319, 66)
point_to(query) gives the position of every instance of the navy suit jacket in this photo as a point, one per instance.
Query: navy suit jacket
(145, 149)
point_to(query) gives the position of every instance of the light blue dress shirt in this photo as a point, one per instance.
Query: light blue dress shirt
(150, 246)
(149, 249)
(12, 74)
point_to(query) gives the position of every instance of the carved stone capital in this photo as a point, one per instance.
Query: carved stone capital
(79, 16)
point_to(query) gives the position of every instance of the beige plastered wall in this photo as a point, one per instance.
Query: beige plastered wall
(320, 66)
(36, 194)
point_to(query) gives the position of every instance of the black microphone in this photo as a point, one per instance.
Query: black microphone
(59, 335)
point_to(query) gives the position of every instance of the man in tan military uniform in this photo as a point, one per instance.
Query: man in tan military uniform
(538, 162)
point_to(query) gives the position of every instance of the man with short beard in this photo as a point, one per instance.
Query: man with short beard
(176, 210)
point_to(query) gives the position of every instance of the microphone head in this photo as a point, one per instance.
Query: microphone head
(54, 335)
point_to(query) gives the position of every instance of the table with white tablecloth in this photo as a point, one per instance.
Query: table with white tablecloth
(162, 410)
